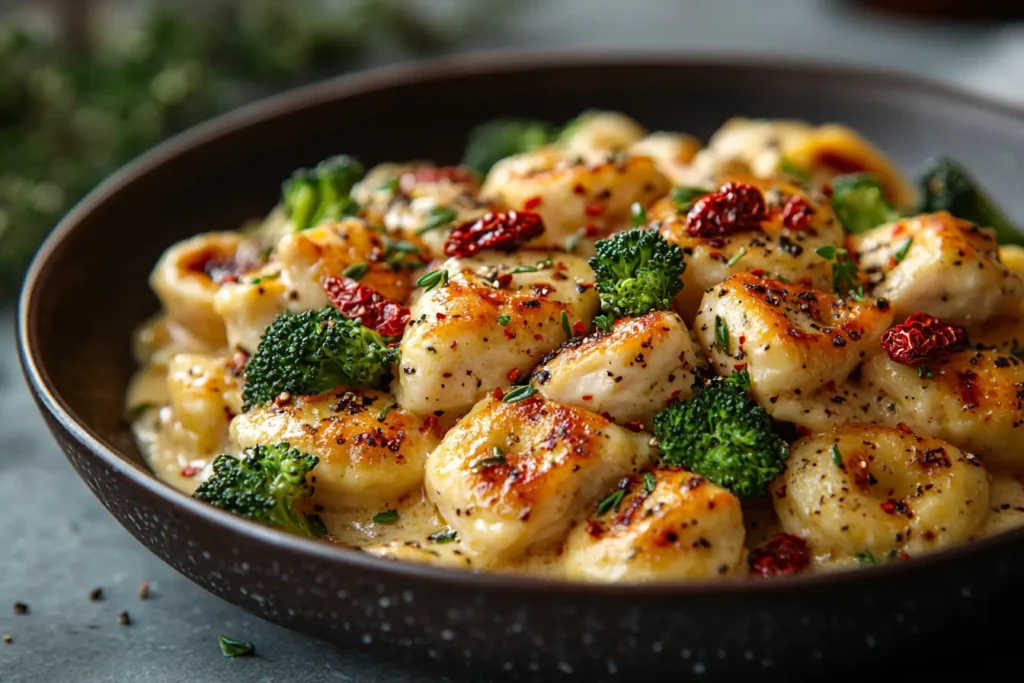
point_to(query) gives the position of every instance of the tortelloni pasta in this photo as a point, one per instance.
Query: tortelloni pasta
(603, 353)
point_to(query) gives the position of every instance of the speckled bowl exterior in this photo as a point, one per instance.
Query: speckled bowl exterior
(88, 289)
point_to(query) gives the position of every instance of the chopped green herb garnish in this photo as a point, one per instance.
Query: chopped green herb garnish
(790, 168)
(603, 323)
(523, 269)
(443, 536)
(519, 394)
(386, 517)
(721, 334)
(865, 557)
(389, 185)
(736, 257)
(637, 215)
(566, 327)
(316, 526)
(924, 372)
(433, 279)
(497, 459)
(546, 263)
(230, 647)
(649, 482)
(837, 457)
(268, 276)
(684, 197)
(383, 414)
(845, 277)
(504, 319)
(439, 218)
(611, 502)
(901, 253)
(356, 271)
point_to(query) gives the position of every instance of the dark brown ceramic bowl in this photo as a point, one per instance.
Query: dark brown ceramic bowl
(87, 290)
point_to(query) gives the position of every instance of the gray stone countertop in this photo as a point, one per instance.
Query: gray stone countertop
(56, 541)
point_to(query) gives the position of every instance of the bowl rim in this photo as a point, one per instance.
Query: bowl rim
(473, 63)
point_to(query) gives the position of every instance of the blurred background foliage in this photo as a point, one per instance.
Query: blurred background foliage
(82, 92)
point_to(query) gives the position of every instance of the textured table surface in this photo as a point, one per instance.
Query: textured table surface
(57, 543)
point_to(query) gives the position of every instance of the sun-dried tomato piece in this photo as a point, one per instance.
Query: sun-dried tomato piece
(796, 213)
(923, 337)
(498, 231)
(370, 308)
(735, 207)
(784, 554)
(430, 174)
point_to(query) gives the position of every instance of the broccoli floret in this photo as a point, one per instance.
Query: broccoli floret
(264, 485)
(860, 203)
(491, 142)
(313, 352)
(724, 436)
(311, 196)
(637, 271)
(945, 185)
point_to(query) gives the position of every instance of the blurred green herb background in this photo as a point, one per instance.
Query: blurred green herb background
(76, 102)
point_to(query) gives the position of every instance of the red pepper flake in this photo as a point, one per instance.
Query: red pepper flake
(503, 280)
(513, 375)
(532, 203)
(590, 230)
(923, 337)
(803, 431)
(739, 366)
(796, 213)
(578, 328)
(440, 316)
(826, 189)
(429, 174)
(497, 394)
(594, 209)
(429, 425)
(896, 507)
(903, 428)
(497, 231)
(587, 397)
(634, 426)
(579, 189)
(454, 344)
(780, 492)
(189, 471)
(784, 554)
(371, 309)
(509, 334)
(735, 207)
(758, 272)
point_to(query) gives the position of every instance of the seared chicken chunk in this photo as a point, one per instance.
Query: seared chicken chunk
(189, 275)
(205, 393)
(512, 476)
(628, 374)
(1006, 504)
(974, 399)
(798, 344)
(669, 525)
(672, 153)
(766, 147)
(594, 134)
(367, 452)
(293, 281)
(780, 248)
(489, 325)
(871, 489)
(419, 202)
(940, 265)
(575, 197)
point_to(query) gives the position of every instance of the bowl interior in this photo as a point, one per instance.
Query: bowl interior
(90, 290)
